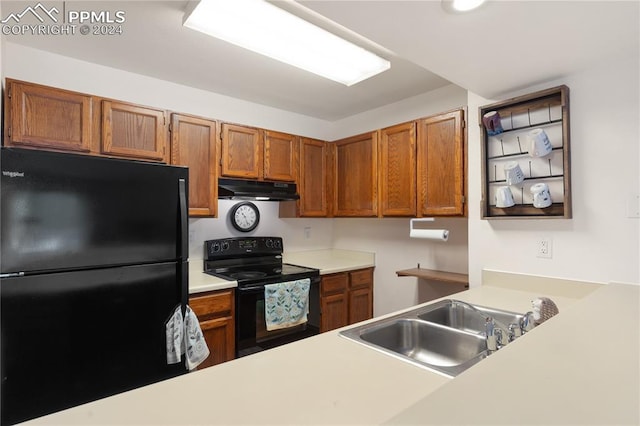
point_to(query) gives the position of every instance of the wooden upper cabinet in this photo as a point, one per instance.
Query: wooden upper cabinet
(46, 117)
(355, 176)
(280, 156)
(133, 131)
(441, 164)
(193, 144)
(241, 152)
(314, 201)
(397, 171)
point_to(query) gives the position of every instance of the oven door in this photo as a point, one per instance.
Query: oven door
(251, 331)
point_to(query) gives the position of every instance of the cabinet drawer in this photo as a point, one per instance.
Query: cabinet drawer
(212, 304)
(334, 283)
(361, 278)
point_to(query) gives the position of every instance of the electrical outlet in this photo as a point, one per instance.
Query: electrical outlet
(307, 232)
(544, 246)
(192, 236)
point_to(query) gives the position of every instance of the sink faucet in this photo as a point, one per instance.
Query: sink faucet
(496, 333)
(527, 322)
(497, 336)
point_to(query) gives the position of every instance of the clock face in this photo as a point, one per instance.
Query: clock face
(245, 216)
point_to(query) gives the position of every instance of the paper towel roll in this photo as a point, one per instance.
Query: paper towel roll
(430, 234)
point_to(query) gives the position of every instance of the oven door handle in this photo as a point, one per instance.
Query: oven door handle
(251, 288)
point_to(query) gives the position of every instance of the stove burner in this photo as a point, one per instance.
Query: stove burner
(247, 275)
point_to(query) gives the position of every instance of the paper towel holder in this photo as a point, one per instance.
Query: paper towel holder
(440, 234)
(422, 219)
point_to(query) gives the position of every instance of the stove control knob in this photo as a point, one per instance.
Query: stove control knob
(225, 245)
(277, 244)
(269, 243)
(215, 247)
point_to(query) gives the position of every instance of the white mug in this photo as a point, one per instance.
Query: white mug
(504, 197)
(513, 173)
(539, 143)
(541, 195)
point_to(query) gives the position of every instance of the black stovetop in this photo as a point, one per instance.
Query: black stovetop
(264, 274)
(252, 260)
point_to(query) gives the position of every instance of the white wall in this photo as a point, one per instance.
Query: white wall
(424, 105)
(600, 243)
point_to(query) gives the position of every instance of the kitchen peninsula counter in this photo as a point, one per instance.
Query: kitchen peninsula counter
(579, 367)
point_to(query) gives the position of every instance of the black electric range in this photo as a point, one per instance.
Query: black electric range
(254, 262)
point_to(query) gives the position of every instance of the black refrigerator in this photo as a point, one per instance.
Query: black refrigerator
(94, 261)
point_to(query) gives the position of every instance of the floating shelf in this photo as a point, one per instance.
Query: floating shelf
(432, 274)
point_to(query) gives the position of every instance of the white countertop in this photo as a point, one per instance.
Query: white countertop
(200, 282)
(579, 367)
(331, 261)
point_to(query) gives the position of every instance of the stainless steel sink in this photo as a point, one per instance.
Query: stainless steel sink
(464, 316)
(446, 337)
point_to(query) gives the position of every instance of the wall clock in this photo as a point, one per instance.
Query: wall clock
(245, 216)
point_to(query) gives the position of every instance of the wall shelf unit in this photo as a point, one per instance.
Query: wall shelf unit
(547, 110)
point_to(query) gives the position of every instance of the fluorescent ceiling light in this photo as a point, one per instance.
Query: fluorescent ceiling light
(266, 29)
(457, 6)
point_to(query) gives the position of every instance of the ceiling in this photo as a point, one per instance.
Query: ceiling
(501, 47)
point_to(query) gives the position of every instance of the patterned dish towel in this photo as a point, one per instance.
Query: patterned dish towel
(286, 304)
(184, 336)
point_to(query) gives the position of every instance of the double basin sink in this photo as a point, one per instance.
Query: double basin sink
(447, 337)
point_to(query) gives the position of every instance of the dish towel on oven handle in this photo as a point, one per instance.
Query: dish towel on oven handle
(184, 336)
(286, 304)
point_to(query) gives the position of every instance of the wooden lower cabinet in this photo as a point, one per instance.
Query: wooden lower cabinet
(346, 298)
(215, 311)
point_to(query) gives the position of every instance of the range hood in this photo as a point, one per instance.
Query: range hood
(239, 189)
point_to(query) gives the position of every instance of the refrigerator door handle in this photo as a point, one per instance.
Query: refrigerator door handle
(12, 274)
(184, 219)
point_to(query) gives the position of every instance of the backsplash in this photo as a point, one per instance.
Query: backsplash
(298, 233)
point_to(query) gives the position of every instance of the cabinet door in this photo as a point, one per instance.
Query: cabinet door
(241, 152)
(313, 178)
(193, 144)
(360, 295)
(360, 304)
(397, 170)
(216, 311)
(334, 311)
(219, 335)
(280, 156)
(46, 117)
(133, 131)
(441, 164)
(356, 176)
